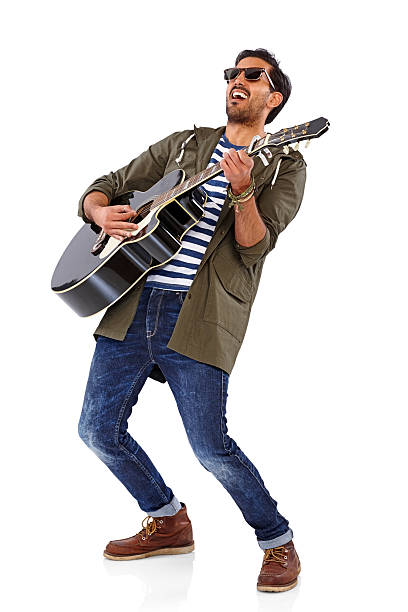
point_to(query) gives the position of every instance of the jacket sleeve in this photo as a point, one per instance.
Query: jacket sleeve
(141, 173)
(277, 205)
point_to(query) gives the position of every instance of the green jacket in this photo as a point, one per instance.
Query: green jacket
(214, 316)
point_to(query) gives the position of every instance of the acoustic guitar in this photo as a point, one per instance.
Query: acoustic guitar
(95, 270)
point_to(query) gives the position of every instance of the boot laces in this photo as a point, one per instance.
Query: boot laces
(277, 554)
(150, 527)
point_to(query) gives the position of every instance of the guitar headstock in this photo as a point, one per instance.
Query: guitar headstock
(297, 133)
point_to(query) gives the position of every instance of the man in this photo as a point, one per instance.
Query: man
(185, 320)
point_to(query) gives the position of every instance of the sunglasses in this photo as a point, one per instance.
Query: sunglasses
(251, 74)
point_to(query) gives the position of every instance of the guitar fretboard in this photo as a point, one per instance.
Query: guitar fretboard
(199, 179)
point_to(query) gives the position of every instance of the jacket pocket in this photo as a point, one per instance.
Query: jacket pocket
(229, 297)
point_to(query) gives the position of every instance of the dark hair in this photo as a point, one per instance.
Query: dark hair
(280, 79)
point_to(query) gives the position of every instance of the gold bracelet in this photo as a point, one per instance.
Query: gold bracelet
(242, 195)
(238, 204)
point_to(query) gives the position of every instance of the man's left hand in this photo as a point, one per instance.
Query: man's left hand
(237, 167)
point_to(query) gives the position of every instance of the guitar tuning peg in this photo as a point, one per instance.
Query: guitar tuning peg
(307, 143)
(286, 149)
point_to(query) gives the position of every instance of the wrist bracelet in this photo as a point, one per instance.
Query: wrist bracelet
(241, 197)
(244, 194)
(238, 203)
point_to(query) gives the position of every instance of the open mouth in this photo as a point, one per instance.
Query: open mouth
(238, 95)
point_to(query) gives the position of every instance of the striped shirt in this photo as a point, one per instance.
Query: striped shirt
(178, 273)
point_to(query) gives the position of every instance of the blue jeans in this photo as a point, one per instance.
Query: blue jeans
(118, 372)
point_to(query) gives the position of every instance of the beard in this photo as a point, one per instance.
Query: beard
(248, 113)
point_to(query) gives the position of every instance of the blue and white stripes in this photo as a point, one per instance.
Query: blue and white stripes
(179, 272)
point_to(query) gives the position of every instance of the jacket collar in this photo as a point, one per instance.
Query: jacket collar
(207, 139)
(202, 133)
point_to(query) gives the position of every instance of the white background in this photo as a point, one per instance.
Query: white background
(317, 398)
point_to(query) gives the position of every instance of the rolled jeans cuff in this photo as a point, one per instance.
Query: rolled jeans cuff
(169, 509)
(279, 541)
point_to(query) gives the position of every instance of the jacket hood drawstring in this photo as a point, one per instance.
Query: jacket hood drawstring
(183, 145)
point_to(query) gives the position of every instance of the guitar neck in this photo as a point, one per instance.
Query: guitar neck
(191, 183)
(305, 131)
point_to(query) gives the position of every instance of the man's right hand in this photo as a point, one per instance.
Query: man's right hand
(114, 220)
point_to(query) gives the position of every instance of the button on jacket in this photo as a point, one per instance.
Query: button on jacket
(214, 316)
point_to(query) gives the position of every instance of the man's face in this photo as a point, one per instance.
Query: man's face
(251, 110)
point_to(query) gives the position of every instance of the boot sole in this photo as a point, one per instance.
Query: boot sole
(279, 587)
(159, 551)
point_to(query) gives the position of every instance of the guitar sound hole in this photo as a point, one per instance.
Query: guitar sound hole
(141, 213)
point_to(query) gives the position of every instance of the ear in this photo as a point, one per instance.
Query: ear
(274, 99)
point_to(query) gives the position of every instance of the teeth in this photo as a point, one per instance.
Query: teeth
(239, 94)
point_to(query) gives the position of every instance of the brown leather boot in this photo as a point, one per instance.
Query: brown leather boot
(280, 568)
(164, 535)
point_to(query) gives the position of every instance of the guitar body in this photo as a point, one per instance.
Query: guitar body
(89, 279)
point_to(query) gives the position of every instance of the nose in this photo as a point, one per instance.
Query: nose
(239, 82)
